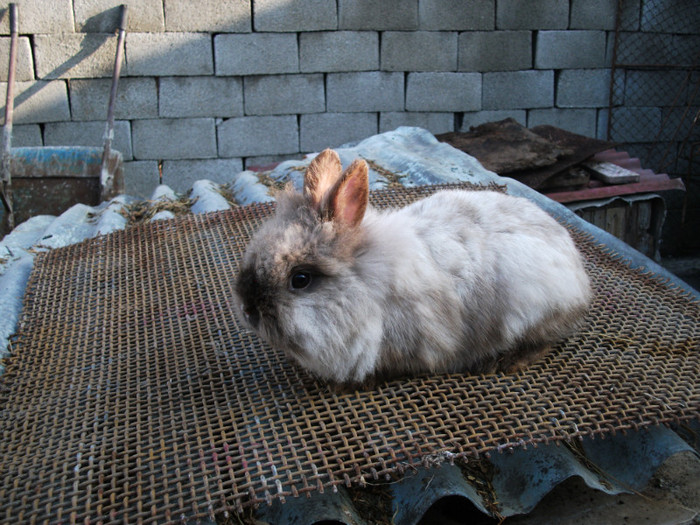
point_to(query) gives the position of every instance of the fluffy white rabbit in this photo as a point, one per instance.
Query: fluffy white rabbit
(475, 281)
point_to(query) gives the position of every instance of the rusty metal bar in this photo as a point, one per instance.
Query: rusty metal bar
(611, 90)
(7, 129)
(106, 176)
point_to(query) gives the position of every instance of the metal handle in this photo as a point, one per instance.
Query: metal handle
(106, 178)
(6, 177)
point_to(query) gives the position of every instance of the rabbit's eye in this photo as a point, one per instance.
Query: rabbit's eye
(300, 280)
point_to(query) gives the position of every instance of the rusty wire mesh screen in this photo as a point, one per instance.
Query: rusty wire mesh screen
(134, 395)
(655, 84)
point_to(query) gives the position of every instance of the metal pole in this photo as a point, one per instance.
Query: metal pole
(7, 129)
(611, 91)
(106, 177)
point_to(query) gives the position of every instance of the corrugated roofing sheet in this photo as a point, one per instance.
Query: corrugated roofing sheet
(649, 182)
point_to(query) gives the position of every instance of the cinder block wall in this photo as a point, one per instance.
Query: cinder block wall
(209, 88)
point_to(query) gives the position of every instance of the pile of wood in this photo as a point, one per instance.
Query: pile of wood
(546, 158)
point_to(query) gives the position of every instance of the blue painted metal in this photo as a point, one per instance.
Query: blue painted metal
(328, 507)
(420, 489)
(523, 477)
(49, 180)
(616, 464)
(621, 463)
(56, 161)
(628, 460)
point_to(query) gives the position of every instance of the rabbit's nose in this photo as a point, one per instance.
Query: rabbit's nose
(252, 316)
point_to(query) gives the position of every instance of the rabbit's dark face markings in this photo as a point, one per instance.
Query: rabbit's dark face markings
(291, 268)
(247, 287)
(257, 296)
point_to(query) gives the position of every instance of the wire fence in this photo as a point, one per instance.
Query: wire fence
(655, 85)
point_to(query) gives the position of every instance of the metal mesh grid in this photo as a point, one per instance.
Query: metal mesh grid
(655, 84)
(134, 396)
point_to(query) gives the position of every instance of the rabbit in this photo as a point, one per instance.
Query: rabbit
(461, 281)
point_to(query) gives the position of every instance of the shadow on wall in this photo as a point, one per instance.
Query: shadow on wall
(44, 99)
(89, 54)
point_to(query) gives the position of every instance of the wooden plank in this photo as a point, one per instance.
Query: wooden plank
(610, 173)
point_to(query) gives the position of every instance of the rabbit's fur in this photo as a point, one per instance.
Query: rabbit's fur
(459, 281)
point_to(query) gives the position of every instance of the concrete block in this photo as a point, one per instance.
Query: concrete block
(609, 48)
(141, 178)
(86, 55)
(37, 102)
(381, 16)
(363, 92)
(518, 90)
(543, 14)
(165, 54)
(602, 124)
(635, 124)
(655, 17)
(257, 136)
(443, 92)
(256, 54)
(26, 135)
(495, 50)
(657, 48)
(220, 16)
(456, 15)
(136, 98)
(300, 15)
(89, 134)
(630, 15)
(24, 67)
(180, 175)
(477, 118)
(593, 14)
(685, 50)
(645, 48)
(189, 138)
(583, 88)
(433, 122)
(102, 16)
(694, 84)
(333, 51)
(266, 162)
(284, 94)
(581, 121)
(32, 17)
(680, 124)
(655, 88)
(570, 49)
(330, 130)
(419, 51)
(200, 97)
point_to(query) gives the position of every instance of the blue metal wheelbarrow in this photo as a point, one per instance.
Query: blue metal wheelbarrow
(49, 180)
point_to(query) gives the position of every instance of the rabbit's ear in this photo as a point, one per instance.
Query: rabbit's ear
(349, 197)
(320, 177)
